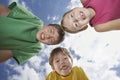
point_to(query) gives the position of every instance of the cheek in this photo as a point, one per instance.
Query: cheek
(67, 23)
(70, 62)
(56, 67)
(47, 40)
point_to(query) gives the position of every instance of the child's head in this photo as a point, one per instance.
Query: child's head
(76, 20)
(51, 34)
(61, 61)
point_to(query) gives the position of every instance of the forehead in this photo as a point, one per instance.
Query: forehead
(74, 10)
(57, 55)
(68, 21)
(52, 27)
(56, 34)
(49, 27)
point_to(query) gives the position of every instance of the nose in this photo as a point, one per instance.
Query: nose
(48, 36)
(62, 61)
(77, 18)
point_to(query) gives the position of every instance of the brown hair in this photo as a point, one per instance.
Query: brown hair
(60, 32)
(57, 51)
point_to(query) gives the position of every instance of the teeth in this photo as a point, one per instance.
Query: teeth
(42, 36)
(64, 67)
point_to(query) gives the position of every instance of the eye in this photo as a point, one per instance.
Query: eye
(65, 58)
(76, 25)
(71, 15)
(57, 61)
(52, 30)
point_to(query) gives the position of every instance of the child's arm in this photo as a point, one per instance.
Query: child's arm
(5, 55)
(21, 13)
(4, 11)
(108, 26)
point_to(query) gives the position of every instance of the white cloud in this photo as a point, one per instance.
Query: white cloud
(74, 3)
(26, 73)
(99, 51)
(52, 18)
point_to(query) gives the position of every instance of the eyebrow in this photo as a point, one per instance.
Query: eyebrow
(53, 39)
(55, 58)
(68, 16)
(53, 30)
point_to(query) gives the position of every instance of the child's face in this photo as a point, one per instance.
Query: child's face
(76, 19)
(62, 64)
(48, 35)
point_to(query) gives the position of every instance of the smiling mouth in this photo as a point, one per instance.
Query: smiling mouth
(64, 67)
(42, 36)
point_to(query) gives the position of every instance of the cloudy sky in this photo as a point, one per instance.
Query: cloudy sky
(97, 53)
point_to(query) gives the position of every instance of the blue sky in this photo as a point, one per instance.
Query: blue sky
(97, 53)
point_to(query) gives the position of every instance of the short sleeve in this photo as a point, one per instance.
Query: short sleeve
(51, 76)
(20, 13)
(22, 55)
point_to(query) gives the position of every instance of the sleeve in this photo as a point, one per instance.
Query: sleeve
(83, 75)
(22, 55)
(51, 76)
(21, 13)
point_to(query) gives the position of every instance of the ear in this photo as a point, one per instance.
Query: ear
(46, 25)
(52, 68)
(84, 28)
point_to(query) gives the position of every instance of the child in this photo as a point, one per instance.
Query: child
(61, 63)
(103, 17)
(21, 33)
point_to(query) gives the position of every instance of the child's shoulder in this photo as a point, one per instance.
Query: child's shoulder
(77, 68)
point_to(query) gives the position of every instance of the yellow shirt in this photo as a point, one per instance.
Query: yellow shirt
(77, 73)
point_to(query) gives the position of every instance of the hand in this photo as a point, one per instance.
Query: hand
(5, 55)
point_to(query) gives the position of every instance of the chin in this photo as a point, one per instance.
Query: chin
(64, 73)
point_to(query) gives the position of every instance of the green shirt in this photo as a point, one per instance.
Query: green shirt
(18, 33)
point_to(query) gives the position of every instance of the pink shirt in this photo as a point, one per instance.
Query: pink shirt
(106, 10)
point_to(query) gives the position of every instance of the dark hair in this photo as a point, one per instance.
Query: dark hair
(57, 51)
(61, 32)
